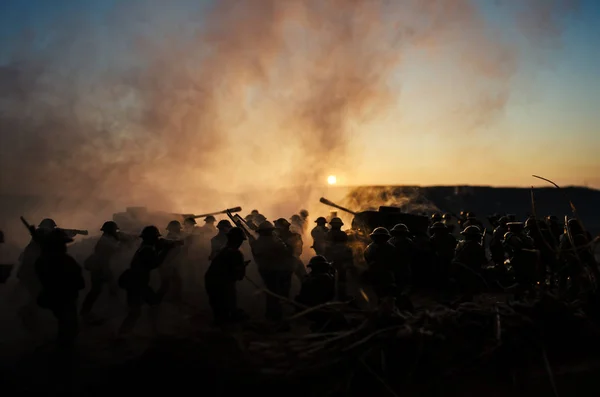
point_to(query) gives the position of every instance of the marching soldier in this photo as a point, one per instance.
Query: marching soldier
(61, 280)
(220, 240)
(226, 269)
(319, 235)
(294, 243)
(270, 255)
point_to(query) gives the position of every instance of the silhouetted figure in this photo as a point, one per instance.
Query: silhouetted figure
(400, 240)
(444, 245)
(171, 269)
(27, 275)
(298, 225)
(220, 240)
(226, 268)
(294, 244)
(318, 288)
(319, 236)
(136, 279)
(524, 261)
(61, 280)
(496, 243)
(209, 229)
(270, 255)
(336, 230)
(469, 258)
(304, 219)
(381, 258)
(99, 266)
(340, 255)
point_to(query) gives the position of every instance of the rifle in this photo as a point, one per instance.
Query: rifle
(70, 232)
(229, 210)
(242, 224)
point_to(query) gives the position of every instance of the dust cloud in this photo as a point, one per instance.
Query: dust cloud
(237, 102)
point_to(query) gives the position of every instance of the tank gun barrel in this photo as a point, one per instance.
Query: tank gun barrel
(334, 205)
(230, 210)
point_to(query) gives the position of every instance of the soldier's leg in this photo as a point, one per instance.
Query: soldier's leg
(93, 294)
(66, 316)
(134, 300)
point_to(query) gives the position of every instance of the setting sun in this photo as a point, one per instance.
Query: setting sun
(331, 179)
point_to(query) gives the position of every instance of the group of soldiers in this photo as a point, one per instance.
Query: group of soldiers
(535, 254)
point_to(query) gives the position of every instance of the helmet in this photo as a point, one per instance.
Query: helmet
(249, 218)
(399, 229)
(507, 236)
(174, 226)
(515, 227)
(336, 221)
(224, 225)
(109, 227)
(304, 213)
(265, 226)
(254, 212)
(259, 218)
(446, 217)
(321, 220)
(296, 218)
(436, 216)
(209, 218)
(235, 233)
(380, 231)
(574, 226)
(530, 223)
(471, 215)
(471, 231)
(438, 226)
(189, 221)
(47, 224)
(318, 261)
(150, 232)
(282, 223)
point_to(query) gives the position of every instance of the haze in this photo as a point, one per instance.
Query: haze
(169, 102)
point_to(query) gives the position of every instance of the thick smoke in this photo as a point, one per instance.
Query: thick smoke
(189, 109)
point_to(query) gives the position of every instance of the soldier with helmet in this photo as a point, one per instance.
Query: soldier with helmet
(26, 273)
(523, 260)
(469, 259)
(435, 217)
(472, 220)
(297, 224)
(136, 280)
(294, 243)
(99, 266)
(381, 258)
(443, 245)
(209, 229)
(496, 243)
(405, 250)
(319, 236)
(340, 255)
(336, 230)
(270, 254)
(447, 220)
(225, 270)
(220, 240)
(304, 219)
(171, 278)
(318, 288)
(61, 280)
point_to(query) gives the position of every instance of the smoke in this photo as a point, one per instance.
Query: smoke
(189, 108)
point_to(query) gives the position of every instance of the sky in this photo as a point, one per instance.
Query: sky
(432, 92)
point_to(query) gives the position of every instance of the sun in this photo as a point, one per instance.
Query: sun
(331, 179)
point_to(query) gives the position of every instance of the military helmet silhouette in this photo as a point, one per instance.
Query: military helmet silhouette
(265, 226)
(189, 221)
(210, 218)
(304, 213)
(318, 260)
(282, 223)
(400, 228)
(438, 226)
(150, 232)
(174, 226)
(109, 227)
(336, 221)
(47, 224)
(380, 231)
(321, 220)
(471, 231)
(235, 233)
(224, 225)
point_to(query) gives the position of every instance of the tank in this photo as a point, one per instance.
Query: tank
(134, 219)
(365, 221)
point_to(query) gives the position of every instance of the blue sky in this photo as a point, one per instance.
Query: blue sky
(551, 121)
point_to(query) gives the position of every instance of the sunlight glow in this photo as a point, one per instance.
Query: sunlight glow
(331, 179)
